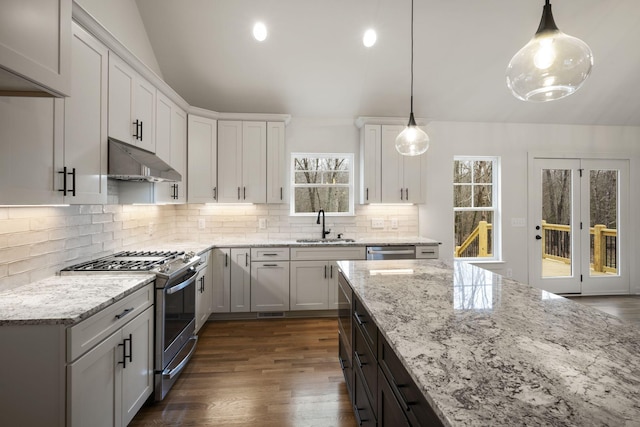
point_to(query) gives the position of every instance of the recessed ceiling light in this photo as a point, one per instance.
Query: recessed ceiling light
(260, 31)
(369, 38)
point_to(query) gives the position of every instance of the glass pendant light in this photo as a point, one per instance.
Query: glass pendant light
(551, 66)
(412, 141)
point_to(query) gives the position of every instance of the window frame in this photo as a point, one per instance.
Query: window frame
(495, 208)
(350, 186)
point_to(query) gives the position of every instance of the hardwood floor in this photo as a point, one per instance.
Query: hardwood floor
(627, 307)
(275, 372)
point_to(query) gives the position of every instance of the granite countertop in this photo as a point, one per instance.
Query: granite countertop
(227, 242)
(487, 350)
(66, 300)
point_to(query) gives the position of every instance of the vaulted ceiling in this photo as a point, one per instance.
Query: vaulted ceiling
(313, 63)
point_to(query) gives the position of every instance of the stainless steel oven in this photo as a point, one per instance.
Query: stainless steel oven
(175, 307)
(175, 328)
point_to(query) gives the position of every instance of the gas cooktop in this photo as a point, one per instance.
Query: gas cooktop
(128, 261)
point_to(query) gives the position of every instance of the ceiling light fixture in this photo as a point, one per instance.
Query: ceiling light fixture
(551, 66)
(369, 38)
(412, 141)
(260, 31)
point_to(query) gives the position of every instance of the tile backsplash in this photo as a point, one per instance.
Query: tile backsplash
(36, 242)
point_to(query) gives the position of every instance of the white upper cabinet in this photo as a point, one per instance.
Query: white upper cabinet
(171, 146)
(132, 103)
(202, 160)
(242, 169)
(35, 46)
(69, 136)
(402, 176)
(276, 163)
(31, 135)
(85, 118)
(371, 164)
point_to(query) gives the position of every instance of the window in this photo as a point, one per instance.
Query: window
(476, 207)
(321, 181)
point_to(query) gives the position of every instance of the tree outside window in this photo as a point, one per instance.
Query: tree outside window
(322, 181)
(475, 204)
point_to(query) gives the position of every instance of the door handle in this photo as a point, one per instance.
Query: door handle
(538, 237)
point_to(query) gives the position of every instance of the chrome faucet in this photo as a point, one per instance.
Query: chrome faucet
(324, 233)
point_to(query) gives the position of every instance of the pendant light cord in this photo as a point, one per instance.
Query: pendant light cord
(411, 56)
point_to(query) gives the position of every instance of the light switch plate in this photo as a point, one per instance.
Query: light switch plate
(377, 223)
(394, 223)
(262, 223)
(201, 223)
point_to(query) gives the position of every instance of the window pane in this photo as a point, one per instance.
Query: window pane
(603, 227)
(483, 171)
(336, 177)
(307, 164)
(473, 234)
(482, 196)
(462, 171)
(308, 177)
(461, 196)
(314, 198)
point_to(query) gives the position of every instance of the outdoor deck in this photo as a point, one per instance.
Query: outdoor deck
(554, 268)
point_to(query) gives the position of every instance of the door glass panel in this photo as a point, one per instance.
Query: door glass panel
(603, 222)
(556, 223)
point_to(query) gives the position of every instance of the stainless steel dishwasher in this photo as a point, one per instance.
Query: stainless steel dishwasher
(391, 252)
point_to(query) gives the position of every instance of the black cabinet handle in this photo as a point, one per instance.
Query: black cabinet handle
(64, 180)
(141, 128)
(246, 259)
(359, 319)
(138, 134)
(244, 193)
(406, 194)
(357, 414)
(226, 260)
(215, 193)
(269, 265)
(238, 193)
(396, 387)
(325, 271)
(124, 313)
(124, 351)
(280, 193)
(367, 193)
(401, 193)
(130, 348)
(341, 362)
(331, 271)
(358, 361)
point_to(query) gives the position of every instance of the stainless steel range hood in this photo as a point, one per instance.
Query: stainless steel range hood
(130, 163)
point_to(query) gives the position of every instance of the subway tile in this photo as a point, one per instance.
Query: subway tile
(14, 225)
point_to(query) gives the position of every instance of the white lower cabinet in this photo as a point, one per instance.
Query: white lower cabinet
(309, 285)
(240, 281)
(110, 383)
(270, 286)
(204, 291)
(220, 263)
(314, 275)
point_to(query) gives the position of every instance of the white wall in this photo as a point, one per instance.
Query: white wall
(513, 142)
(122, 19)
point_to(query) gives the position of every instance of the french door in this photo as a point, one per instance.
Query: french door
(579, 225)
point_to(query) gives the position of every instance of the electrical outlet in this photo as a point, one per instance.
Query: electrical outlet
(377, 223)
(150, 229)
(262, 223)
(201, 223)
(509, 272)
(394, 223)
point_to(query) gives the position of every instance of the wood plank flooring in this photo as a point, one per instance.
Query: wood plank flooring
(279, 372)
(627, 307)
(275, 372)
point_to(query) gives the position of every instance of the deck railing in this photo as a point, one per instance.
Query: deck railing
(556, 245)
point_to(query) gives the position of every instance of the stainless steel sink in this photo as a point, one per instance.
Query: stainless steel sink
(325, 240)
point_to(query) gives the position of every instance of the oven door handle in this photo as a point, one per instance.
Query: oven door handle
(182, 285)
(169, 373)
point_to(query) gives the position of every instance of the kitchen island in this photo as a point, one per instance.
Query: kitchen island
(487, 350)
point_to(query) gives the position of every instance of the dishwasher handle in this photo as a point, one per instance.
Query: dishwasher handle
(391, 252)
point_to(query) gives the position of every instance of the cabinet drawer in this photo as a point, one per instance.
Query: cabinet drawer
(364, 358)
(411, 399)
(332, 253)
(427, 252)
(269, 254)
(390, 413)
(364, 322)
(345, 364)
(88, 333)
(361, 405)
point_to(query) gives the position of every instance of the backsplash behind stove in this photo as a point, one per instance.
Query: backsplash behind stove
(36, 242)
